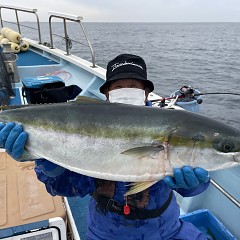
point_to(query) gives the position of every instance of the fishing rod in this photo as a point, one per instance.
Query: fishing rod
(198, 94)
(187, 92)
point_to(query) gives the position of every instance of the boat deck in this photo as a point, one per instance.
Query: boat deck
(214, 200)
(30, 58)
(24, 199)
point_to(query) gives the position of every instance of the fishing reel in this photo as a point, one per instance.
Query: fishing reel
(185, 95)
(187, 91)
(188, 94)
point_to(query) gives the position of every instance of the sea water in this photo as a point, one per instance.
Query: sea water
(205, 56)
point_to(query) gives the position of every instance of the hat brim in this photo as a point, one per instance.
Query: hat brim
(119, 76)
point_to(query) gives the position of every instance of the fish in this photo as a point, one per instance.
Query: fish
(122, 142)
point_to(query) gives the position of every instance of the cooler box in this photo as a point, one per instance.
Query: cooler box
(207, 223)
(37, 82)
(48, 89)
(35, 88)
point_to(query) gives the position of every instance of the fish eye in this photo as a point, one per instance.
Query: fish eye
(227, 147)
(223, 146)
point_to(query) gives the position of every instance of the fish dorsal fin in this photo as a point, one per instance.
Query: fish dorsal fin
(8, 107)
(84, 99)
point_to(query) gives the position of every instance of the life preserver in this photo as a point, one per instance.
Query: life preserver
(3, 31)
(14, 36)
(4, 40)
(15, 47)
(1, 37)
(24, 46)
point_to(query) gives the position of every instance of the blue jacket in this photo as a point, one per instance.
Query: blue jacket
(109, 226)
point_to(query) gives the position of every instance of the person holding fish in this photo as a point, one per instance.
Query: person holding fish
(120, 210)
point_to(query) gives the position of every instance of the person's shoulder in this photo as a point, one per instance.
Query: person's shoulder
(148, 104)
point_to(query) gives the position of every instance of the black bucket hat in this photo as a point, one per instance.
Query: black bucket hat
(126, 66)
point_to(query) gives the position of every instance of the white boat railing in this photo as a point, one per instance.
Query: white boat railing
(65, 17)
(26, 10)
(68, 41)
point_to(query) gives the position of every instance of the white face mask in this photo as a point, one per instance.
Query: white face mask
(134, 96)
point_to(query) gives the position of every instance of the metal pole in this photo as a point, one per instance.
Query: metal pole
(229, 196)
(50, 29)
(1, 17)
(16, 9)
(19, 30)
(66, 35)
(74, 19)
(39, 31)
(89, 45)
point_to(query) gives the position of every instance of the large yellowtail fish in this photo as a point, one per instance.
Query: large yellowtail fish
(124, 142)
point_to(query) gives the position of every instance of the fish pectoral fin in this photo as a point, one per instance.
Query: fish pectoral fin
(140, 152)
(27, 156)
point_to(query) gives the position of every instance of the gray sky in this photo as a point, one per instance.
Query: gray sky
(137, 10)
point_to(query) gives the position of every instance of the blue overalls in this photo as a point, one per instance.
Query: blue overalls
(110, 225)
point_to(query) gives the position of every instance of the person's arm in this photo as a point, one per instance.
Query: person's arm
(58, 181)
(188, 181)
(61, 181)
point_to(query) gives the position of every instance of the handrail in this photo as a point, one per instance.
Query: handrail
(28, 10)
(228, 195)
(73, 18)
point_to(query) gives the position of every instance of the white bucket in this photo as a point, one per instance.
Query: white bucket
(192, 106)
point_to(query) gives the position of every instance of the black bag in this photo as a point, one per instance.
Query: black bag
(49, 89)
(52, 94)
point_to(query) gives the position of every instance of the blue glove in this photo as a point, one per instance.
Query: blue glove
(13, 139)
(187, 177)
(48, 168)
